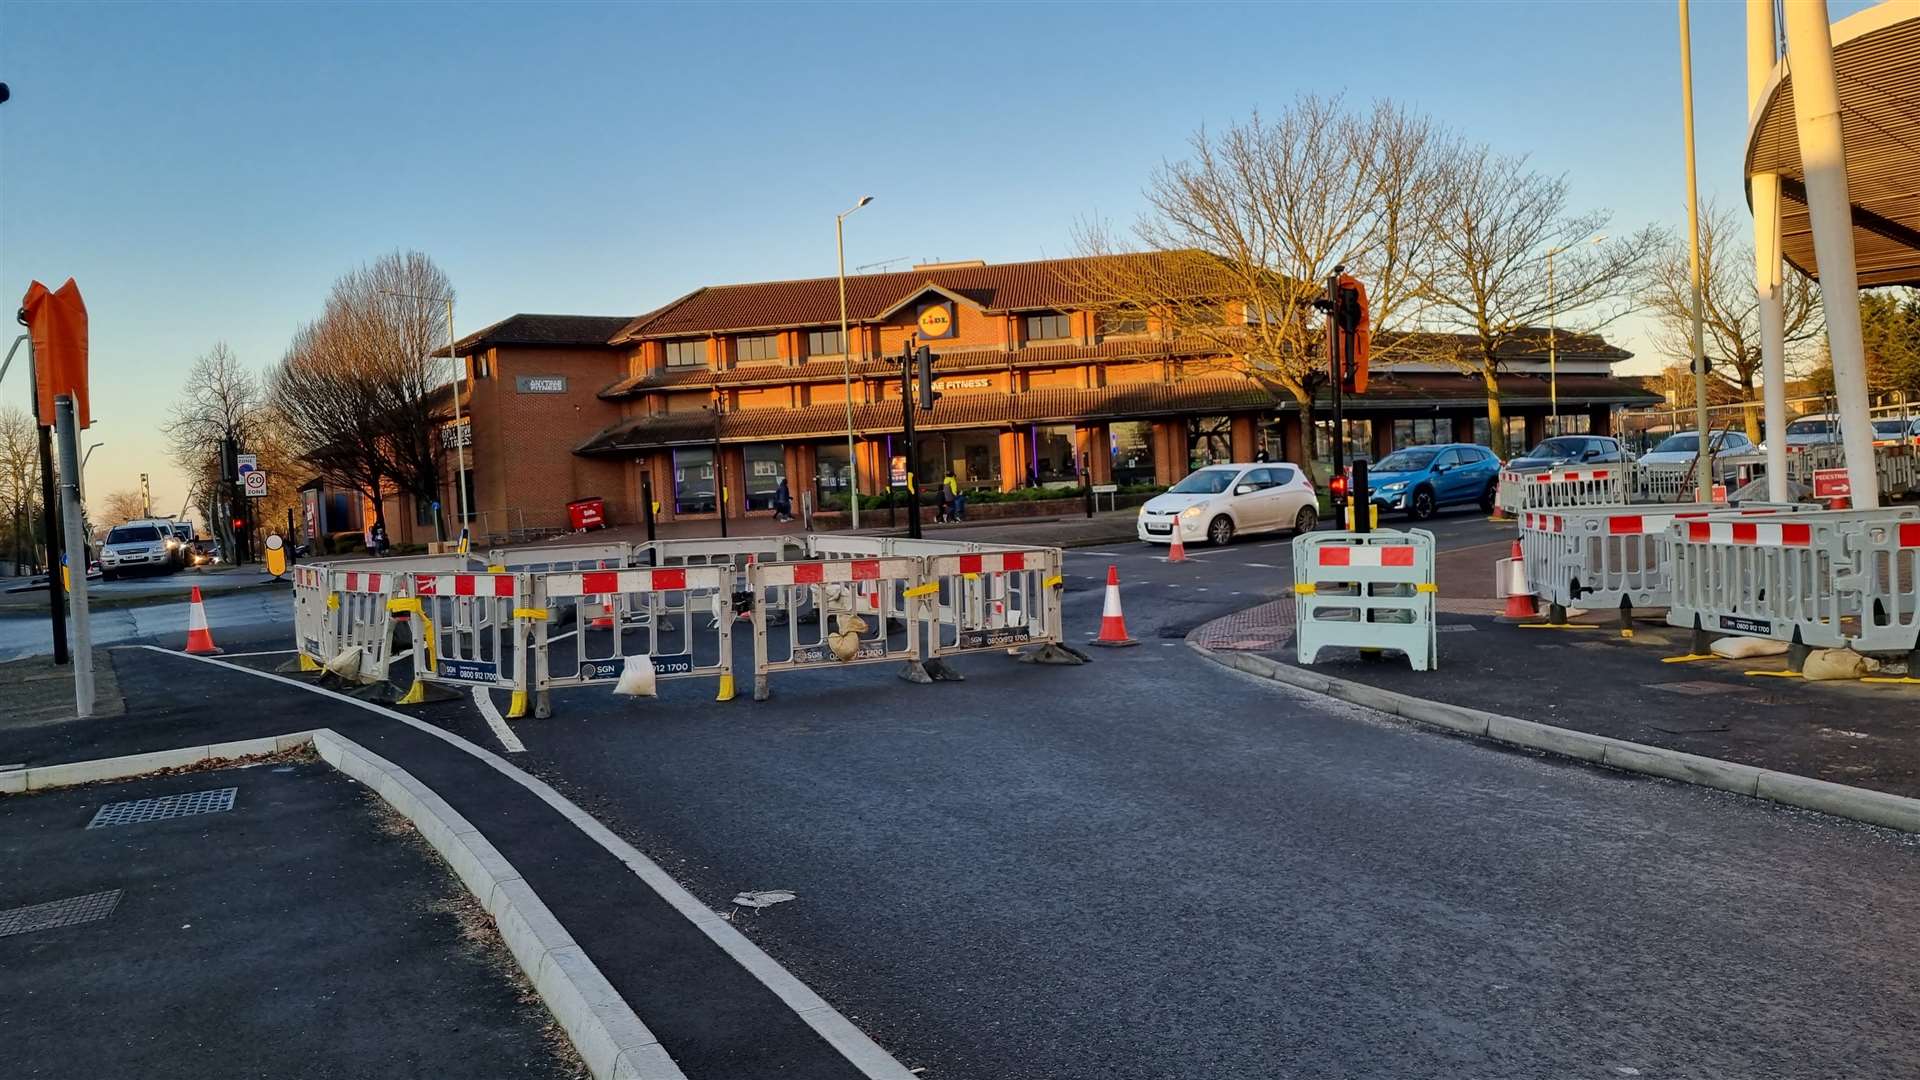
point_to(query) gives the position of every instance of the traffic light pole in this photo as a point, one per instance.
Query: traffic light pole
(913, 454)
(1336, 367)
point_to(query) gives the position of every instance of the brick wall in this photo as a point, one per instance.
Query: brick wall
(525, 470)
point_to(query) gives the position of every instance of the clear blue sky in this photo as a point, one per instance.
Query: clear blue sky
(205, 172)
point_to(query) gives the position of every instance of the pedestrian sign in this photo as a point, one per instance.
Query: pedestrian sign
(245, 463)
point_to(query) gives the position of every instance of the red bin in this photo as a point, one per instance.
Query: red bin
(587, 513)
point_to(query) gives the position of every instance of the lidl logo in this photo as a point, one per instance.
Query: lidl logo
(936, 320)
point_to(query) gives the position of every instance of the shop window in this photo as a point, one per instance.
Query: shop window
(1123, 324)
(1572, 424)
(1423, 431)
(693, 487)
(1359, 442)
(766, 467)
(691, 353)
(1052, 457)
(1209, 441)
(832, 475)
(760, 347)
(825, 343)
(1131, 444)
(1049, 327)
(1516, 433)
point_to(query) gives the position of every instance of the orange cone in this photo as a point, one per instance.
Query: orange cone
(1177, 552)
(199, 638)
(1113, 627)
(604, 620)
(1520, 603)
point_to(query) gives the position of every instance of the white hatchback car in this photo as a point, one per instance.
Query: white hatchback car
(1219, 502)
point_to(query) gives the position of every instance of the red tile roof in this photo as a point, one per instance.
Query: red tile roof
(768, 305)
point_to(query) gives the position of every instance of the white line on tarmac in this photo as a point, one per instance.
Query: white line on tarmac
(263, 652)
(852, 1043)
(508, 739)
(1261, 565)
(1102, 554)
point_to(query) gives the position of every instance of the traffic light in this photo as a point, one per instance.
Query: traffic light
(1352, 334)
(239, 524)
(923, 361)
(1337, 487)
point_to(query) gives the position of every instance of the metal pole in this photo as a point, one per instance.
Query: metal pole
(1816, 101)
(49, 514)
(846, 366)
(65, 423)
(1761, 58)
(913, 455)
(459, 436)
(1334, 368)
(1705, 456)
(719, 473)
(1553, 347)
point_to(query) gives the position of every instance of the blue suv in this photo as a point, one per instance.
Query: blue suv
(1422, 479)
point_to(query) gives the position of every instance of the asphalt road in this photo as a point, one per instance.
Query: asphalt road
(1150, 866)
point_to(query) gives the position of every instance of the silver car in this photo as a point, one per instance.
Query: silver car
(138, 545)
(1220, 502)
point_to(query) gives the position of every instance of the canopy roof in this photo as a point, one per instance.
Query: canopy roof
(1876, 60)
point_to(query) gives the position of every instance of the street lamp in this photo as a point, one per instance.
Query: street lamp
(459, 437)
(846, 356)
(84, 458)
(1553, 350)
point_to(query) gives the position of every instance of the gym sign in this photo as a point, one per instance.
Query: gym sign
(936, 320)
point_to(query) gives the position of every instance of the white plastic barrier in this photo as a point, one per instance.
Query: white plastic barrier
(1006, 600)
(1369, 591)
(560, 557)
(1613, 557)
(358, 607)
(663, 614)
(313, 638)
(467, 630)
(1566, 485)
(1823, 579)
(855, 604)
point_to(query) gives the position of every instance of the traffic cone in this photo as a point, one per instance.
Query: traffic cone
(1521, 605)
(1178, 551)
(604, 620)
(199, 638)
(1113, 627)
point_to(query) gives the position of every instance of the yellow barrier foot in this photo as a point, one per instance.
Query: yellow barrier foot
(414, 696)
(1892, 680)
(1628, 634)
(1776, 674)
(1689, 658)
(726, 689)
(517, 705)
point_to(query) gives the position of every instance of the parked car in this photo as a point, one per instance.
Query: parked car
(1422, 479)
(145, 544)
(1684, 448)
(1896, 430)
(1220, 502)
(1812, 431)
(1572, 450)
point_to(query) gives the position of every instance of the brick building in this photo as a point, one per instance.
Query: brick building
(1034, 383)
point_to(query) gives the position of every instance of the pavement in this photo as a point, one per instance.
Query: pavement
(1595, 680)
(1152, 866)
(299, 934)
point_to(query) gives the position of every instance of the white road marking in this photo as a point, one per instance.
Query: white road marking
(1261, 565)
(263, 652)
(1101, 554)
(839, 1032)
(508, 739)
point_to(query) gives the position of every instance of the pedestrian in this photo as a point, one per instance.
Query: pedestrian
(380, 545)
(944, 510)
(782, 502)
(367, 535)
(1260, 455)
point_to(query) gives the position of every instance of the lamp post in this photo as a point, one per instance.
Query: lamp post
(846, 355)
(1553, 345)
(84, 458)
(459, 436)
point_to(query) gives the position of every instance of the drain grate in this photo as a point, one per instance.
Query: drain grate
(72, 911)
(167, 806)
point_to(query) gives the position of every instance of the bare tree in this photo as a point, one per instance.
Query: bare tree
(19, 484)
(1495, 221)
(356, 389)
(121, 507)
(1730, 311)
(1242, 235)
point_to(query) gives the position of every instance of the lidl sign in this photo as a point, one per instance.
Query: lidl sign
(935, 320)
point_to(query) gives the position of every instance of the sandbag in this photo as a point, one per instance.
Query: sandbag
(1745, 648)
(1833, 664)
(637, 678)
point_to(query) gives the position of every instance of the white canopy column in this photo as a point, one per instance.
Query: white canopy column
(1765, 193)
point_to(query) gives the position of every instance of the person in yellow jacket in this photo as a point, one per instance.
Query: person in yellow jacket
(950, 493)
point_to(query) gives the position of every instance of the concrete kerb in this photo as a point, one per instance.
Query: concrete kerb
(17, 781)
(1788, 789)
(612, 1041)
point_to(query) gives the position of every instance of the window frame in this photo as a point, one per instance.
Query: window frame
(770, 343)
(1065, 325)
(831, 331)
(1116, 325)
(670, 347)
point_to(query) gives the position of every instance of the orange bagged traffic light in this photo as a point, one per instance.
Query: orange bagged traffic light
(58, 323)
